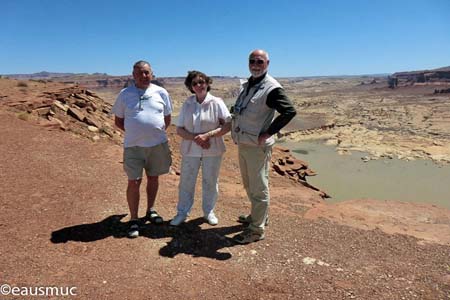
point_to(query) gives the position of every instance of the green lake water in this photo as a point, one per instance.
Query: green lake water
(346, 177)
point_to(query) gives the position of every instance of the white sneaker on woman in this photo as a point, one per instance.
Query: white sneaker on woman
(212, 219)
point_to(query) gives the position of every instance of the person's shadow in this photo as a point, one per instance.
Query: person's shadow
(188, 238)
(111, 226)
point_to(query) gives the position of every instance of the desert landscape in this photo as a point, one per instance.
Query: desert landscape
(64, 209)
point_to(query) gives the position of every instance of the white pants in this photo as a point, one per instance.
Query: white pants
(210, 188)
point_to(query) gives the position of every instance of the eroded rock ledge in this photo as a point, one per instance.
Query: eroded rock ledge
(74, 109)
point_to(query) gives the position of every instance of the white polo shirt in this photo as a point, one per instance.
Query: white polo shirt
(143, 111)
(200, 118)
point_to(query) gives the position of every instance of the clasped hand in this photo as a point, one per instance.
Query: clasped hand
(202, 140)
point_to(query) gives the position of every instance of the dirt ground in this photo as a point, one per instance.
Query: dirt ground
(63, 217)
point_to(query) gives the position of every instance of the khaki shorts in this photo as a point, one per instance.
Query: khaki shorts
(155, 160)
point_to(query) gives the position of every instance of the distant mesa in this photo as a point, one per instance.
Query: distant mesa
(435, 76)
(39, 75)
(94, 80)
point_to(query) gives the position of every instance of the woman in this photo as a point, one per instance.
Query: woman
(202, 122)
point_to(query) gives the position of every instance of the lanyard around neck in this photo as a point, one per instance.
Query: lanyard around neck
(241, 105)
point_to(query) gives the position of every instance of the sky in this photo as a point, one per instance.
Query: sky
(303, 38)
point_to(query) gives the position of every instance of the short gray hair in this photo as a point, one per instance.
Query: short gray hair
(141, 63)
(265, 53)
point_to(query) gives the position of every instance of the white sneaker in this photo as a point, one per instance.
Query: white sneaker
(177, 220)
(212, 219)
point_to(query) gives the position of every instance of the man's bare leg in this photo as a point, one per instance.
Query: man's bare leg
(133, 197)
(152, 191)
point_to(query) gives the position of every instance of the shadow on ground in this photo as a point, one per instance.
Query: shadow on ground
(188, 238)
(111, 226)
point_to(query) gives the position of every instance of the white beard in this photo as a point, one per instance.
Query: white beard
(256, 74)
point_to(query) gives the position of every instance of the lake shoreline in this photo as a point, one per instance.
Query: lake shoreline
(346, 177)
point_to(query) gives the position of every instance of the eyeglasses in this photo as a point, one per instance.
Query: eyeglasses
(201, 82)
(256, 61)
(143, 98)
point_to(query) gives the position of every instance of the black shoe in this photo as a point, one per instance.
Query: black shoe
(153, 217)
(133, 229)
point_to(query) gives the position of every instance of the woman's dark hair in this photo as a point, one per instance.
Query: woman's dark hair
(192, 75)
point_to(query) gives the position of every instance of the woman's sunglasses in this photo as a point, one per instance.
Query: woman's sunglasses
(195, 82)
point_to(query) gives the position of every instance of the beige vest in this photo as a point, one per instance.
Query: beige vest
(251, 115)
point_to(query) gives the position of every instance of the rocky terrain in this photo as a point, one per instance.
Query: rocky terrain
(64, 212)
(408, 122)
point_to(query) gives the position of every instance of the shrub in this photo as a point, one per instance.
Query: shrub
(22, 84)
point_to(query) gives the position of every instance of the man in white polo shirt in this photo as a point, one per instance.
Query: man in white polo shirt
(143, 111)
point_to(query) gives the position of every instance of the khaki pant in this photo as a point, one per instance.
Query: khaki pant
(254, 165)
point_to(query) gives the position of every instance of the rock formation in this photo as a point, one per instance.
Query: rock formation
(285, 164)
(74, 109)
(441, 75)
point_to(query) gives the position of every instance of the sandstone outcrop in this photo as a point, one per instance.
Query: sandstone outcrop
(436, 76)
(285, 164)
(71, 108)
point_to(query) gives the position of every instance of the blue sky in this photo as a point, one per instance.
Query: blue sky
(304, 38)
